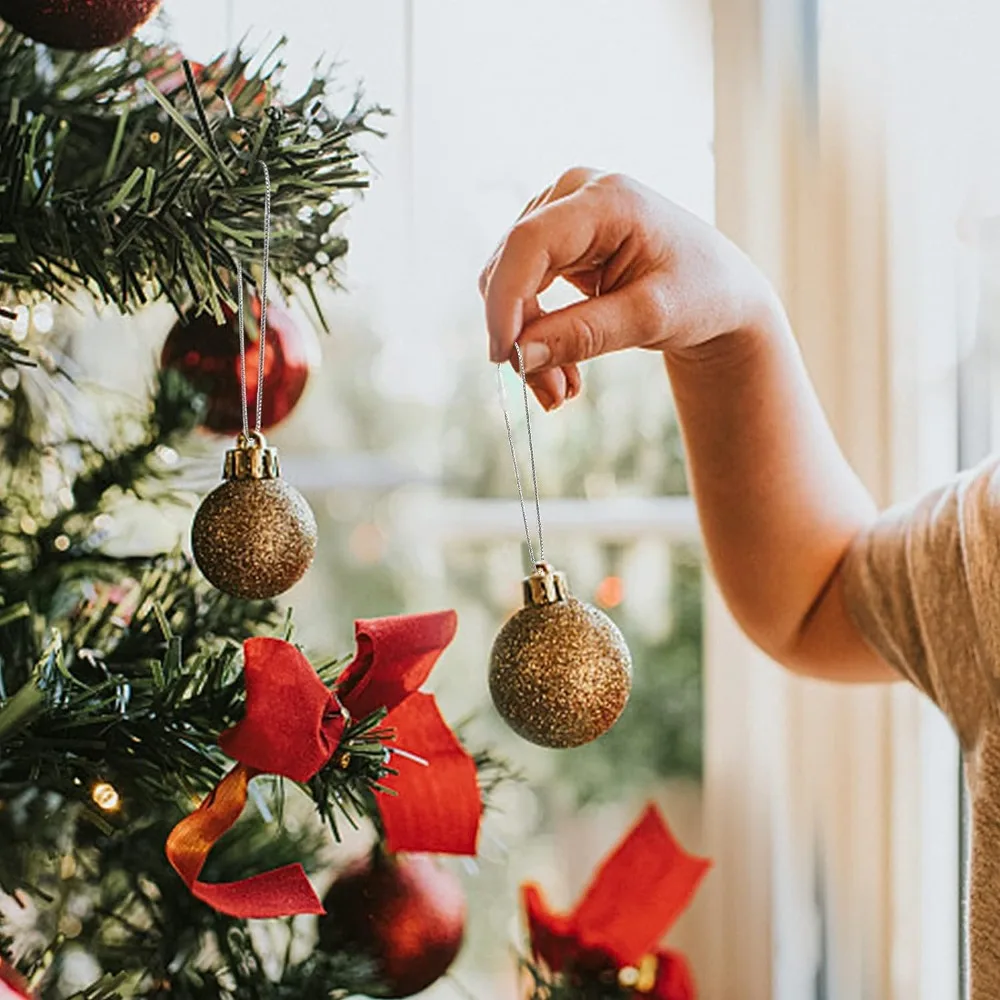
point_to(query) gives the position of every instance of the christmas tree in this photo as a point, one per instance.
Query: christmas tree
(129, 685)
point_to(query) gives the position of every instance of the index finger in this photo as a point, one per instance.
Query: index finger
(546, 242)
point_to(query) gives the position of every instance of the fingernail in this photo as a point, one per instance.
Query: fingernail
(536, 355)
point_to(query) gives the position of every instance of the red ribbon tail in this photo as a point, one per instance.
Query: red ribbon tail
(438, 807)
(651, 858)
(284, 892)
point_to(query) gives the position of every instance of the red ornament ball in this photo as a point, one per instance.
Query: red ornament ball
(77, 24)
(13, 986)
(404, 912)
(208, 354)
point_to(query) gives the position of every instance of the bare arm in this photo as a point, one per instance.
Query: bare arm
(778, 503)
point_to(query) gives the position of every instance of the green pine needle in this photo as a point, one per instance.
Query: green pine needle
(125, 177)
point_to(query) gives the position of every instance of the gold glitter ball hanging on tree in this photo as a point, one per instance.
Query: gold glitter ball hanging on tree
(560, 670)
(254, 536)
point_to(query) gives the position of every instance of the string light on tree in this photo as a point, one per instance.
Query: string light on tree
(106, 797)
(560, 670)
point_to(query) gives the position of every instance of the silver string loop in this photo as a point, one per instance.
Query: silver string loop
(241, 327)
(241, 320)
(266, 264)
(531, 456)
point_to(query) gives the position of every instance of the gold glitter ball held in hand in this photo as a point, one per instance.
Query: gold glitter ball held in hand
(254, 536)
(560, 671)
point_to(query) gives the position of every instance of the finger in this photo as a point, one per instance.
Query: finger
(549, 387)
(549, 390)
(568, 182)
(587, 329)
(539, 199)
(555, 238)
(574, 382)
(572, 180)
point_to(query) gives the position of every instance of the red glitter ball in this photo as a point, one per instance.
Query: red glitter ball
(209, 355)
(77, 24)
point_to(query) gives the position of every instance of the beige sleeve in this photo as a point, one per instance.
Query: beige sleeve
(923, 587)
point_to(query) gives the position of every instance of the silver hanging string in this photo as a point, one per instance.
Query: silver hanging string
(241, 322)
(243, 346)
(263, 293)
(531, 456)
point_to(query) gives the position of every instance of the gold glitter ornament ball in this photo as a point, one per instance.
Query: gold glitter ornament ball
(254, 536)
(560, 670)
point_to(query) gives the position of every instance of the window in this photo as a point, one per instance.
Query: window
(833, 141)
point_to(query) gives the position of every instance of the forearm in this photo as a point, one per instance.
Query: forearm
(777, 500)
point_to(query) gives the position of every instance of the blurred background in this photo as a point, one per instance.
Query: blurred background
(851, 147)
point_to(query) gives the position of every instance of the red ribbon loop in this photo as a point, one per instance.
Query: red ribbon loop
(293, 725)
(635, 897)
(394, 658)
(293, 722)
(277, 893)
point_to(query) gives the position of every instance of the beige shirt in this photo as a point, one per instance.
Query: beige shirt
(923, 585)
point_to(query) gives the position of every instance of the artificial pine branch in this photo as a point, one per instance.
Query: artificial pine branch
(120, 178)
(173, 413)
(128, 670)
(150, 726)
(55, 568)
(11, 352)
(153, 940)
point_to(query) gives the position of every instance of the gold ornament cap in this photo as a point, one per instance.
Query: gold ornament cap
(252, 458)
(544, 586)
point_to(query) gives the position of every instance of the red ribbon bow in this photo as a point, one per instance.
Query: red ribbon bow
(634, 899)
(292, 726)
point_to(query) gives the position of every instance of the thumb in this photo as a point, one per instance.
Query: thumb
(583, 330)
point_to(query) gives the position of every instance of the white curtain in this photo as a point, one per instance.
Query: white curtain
(844, 820)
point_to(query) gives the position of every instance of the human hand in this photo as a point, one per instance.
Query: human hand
(655, 277)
